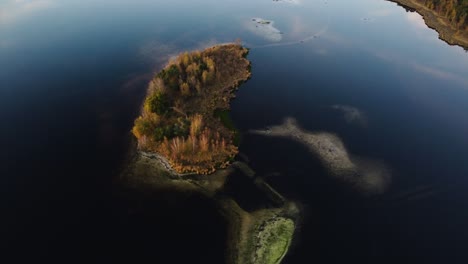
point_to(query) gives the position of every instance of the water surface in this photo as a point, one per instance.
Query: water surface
(74, 73)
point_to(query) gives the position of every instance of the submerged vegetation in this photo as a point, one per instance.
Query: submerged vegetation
(263, 235)
(179, 118)
(273, 240)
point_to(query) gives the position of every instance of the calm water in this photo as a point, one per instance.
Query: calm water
(73, 74)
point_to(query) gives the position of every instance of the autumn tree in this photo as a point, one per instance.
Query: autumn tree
(157, 103)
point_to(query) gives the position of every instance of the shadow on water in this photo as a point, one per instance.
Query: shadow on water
(295, 173)
(66, 209)
(167, 227)
(290, 167)
(243, 190)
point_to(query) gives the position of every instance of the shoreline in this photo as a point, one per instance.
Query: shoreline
(440, 24)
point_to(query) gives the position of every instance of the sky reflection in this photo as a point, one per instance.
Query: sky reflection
(13, 10)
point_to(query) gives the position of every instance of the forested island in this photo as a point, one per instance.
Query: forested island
(449, 18)
(184, 115)
(186, 144)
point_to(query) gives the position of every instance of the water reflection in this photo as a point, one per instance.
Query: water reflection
(416, 19)
(13, 10)
(352, 115)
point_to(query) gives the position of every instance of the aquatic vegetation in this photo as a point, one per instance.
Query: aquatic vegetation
(261, 236)
(273, 240)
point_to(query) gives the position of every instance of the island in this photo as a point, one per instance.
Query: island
(184, 142)
(184, 116)
(449, 18)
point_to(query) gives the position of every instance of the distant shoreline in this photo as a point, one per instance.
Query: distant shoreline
(447, 32)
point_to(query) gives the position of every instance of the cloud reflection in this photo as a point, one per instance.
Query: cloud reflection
(432, 71)
(416, 19)
(439, 74)
(265, 29)
(4, 44)
(13, 10)
(351, 114)
(294, 2)
(381, 12)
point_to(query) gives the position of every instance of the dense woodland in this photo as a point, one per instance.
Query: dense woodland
(456, 11)
(179, 117)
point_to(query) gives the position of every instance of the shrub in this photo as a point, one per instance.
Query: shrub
(185, 89)
(142, 127)
(196, 124)
(159, 133)
(181, 128)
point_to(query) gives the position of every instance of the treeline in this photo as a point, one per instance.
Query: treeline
(456, 11)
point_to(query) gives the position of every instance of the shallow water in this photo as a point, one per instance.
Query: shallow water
(74, 73)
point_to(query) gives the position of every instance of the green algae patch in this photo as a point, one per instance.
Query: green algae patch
(263, 236)
(273, 240)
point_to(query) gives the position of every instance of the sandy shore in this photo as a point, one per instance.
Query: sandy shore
(441, 24)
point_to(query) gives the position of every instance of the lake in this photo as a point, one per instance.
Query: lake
(74, 74)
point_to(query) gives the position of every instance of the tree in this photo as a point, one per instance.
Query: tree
(142, 127)
(170, 76)
(157, 103)
(185, 59)
(185, 89)
(205, 77)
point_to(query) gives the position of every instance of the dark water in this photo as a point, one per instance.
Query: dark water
(73, 74)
